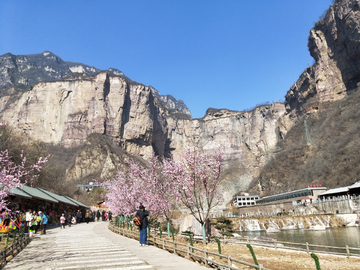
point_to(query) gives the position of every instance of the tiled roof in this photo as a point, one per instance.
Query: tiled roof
(34, 192)
(78, 203)
(58, 197)
(19, 192)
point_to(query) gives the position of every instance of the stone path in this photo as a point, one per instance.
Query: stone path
(93, 246)
(77, 248)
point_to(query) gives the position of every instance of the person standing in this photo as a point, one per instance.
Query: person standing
(143, 214)
(38, 220)
(28, 219)
(98, 215)
(78, 216)
(87, 216)
(62, 221)
(68, 220)
(44, 221)
(103, 215)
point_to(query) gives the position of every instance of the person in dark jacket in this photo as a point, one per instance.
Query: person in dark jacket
(98, 215)
(143, 214)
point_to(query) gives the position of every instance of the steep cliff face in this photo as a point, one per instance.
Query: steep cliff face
(326, 95)
(334, 43)
(66, 112)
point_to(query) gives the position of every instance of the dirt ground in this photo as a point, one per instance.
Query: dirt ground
(279, 259)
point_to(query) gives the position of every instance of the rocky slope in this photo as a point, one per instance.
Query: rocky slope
(326, 95)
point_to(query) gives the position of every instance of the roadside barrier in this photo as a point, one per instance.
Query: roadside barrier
(11, 251)
(185, 250)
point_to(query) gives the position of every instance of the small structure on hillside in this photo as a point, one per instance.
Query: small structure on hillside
(245, 200)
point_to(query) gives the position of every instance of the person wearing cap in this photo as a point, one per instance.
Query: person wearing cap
(143, 214)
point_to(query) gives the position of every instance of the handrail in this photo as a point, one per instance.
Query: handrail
(175, 247)
(10, 249)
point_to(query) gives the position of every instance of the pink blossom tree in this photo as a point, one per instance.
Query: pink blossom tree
(136, 184)
(196, 179)
(13, 175)
(192, 179)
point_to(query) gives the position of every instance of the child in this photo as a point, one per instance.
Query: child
(73, 220)
(62, 221)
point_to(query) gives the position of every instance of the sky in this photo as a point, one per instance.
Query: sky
(232, 54)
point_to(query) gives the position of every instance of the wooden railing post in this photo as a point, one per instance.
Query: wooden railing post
(347, 250)
(307, 247)
(229, 261)
(163, 243)
(275, 244)
(206, 257)
(187, 251)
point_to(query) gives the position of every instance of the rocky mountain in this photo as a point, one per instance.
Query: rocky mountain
(66, 104)
(323, 106)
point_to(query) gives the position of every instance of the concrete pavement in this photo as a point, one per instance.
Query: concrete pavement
(93, 246)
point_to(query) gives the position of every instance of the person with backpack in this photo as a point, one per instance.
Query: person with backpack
(143, 214)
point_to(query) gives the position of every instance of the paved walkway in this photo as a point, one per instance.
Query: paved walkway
(93, 246)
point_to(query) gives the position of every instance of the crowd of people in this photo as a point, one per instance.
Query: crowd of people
(34, 222)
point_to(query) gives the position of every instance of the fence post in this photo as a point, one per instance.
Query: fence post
(260, 266)
(163, 243)
(206, 257)
(229, 261)
(347, 250)
(307, 247)
(187, 251)
(275, 243)
(175, 247)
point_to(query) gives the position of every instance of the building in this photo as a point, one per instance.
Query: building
(26, 197)
(88, 188)
(353, 190)
(301, 195)
(245, 200)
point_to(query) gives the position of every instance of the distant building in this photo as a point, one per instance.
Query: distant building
(301, 195)
(88, 188)
(353, 190)
(245, 200)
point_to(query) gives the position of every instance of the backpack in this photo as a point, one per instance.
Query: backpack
(137, 221)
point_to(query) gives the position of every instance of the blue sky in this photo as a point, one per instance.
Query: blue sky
(231, 54)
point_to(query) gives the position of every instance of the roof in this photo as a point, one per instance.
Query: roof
(20, 193)
(356, 185)
(58, 197)
(38, 194)
(335, 190)
(78, 203)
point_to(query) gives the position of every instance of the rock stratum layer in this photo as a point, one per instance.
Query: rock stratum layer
(67, 102)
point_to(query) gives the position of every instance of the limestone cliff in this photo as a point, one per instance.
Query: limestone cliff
(334, 43)
(67, 111)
